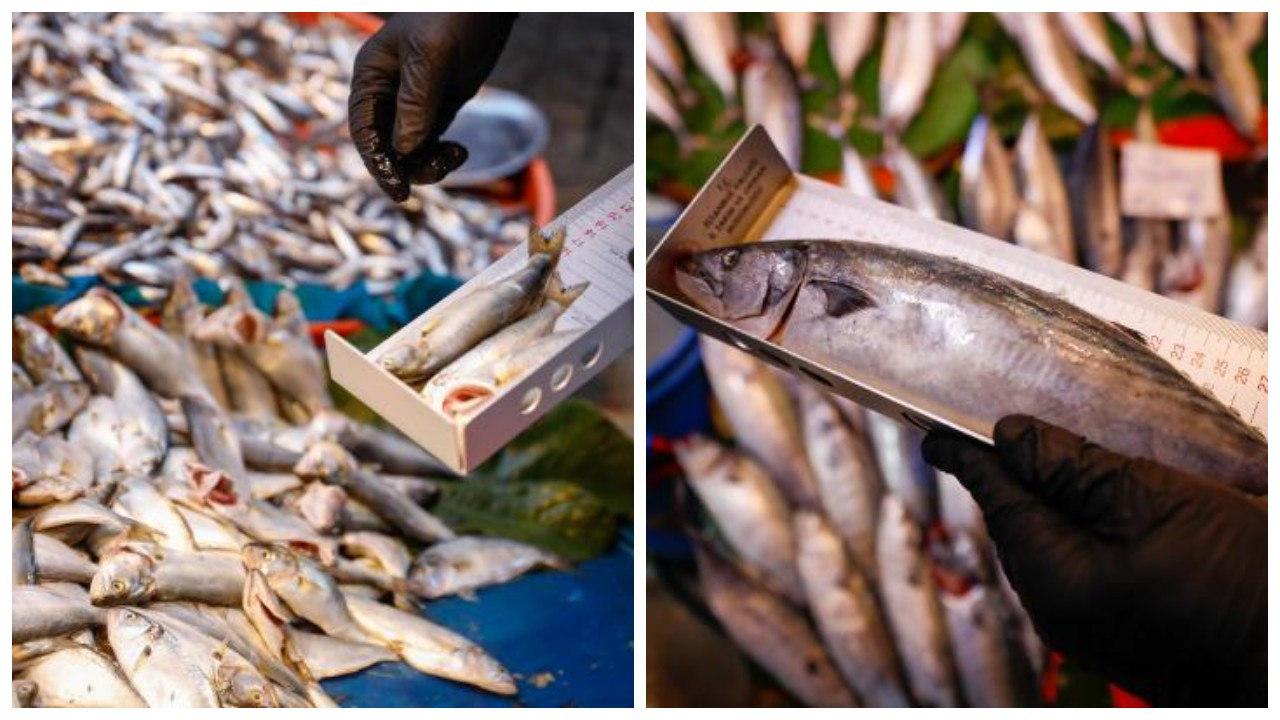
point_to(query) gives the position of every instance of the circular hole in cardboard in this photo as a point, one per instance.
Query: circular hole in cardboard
(561, 377)
(530, 401)
(592, 356)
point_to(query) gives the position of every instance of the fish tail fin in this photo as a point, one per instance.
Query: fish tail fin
(561, 295)
(539, 243)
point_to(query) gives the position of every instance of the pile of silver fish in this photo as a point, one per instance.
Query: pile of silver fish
(147, 147)
(844, 565)
(1010, 188)
(490, 336)
(195, 525)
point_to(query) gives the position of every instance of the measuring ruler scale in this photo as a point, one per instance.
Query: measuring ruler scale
(754, 196)
(597, 250)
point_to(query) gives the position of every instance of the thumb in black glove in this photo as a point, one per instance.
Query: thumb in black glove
(409, 80)
(1151, 577)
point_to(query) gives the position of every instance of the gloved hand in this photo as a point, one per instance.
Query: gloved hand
(410, 79)
(1153, 578)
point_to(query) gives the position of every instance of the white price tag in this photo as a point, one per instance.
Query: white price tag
(1158, 181)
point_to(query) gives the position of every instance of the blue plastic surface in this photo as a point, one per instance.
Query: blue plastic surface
(566, 636)
(677, 391)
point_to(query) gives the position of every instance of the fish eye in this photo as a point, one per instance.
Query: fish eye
(117, 585)
(730, 259)
(256, 697)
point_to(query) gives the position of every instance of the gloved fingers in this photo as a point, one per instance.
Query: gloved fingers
(418, 102)
(1085, 482)
(370, 109)
(1020, 524)
(430, 164)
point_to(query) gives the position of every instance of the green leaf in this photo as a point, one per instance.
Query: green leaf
(557, 516)
(952, 101)
(576, 443)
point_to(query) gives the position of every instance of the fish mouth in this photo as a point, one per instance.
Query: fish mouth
(465, 399)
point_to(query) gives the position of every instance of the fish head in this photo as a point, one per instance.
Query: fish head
(486, 671)
(748, 286)
(328, 425)
(699, 456)
(433, 575)
(93, 318)
(270, 559)
(408, 360)
(325, 461)
(211, 486)
(463, 398)
(124, 577)
(232, 326)
(128, 625)
(321, 506)
(237, 686)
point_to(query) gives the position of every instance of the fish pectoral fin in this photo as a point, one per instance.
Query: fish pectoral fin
(843, 298)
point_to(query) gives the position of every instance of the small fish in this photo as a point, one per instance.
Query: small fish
(712, 40)
(463, 565)
(1149, 240)
(1246, 300)
(470, 390)
(988, 196)
(56, 561)
(463, 323)
(1051, 62)
(795, 34)
(49, 407)
(1095, 201)
(762, 417)
(850, 37)
(1087, 33)
(854, 176)
(320, 505)
(327, 657)
(80, 677)
(1131, 24)
(1044, 216)
(771, 631)
(41, 611)
(911, 602)
(140, 573)
(947, 29)
(138, 499)
(771, 98)
(661, 104)
(907, 63)
(305, 588)
(24, 554)
(848, 478)
(976, 630)
(1174, 36)
(48, 470)
(1227, 59)
(747, 509)
(161, 667)
(664, 55)
(914, 188)
(843, 603)
(40, 355)
(430, 648)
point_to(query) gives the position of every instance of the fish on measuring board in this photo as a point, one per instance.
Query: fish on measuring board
(480, 312)
(856, 307)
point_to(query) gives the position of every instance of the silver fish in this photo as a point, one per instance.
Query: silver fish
(844, 465)
(49, 407)
(747, 508)
(101, 319)
(42, 357)
(907, 63)
(1249, 27)
(180, 315)
(947, 29)
(1246, 300)
(215, 442)
(664, 55)
(771, 98)
(42, 612)
(902, 467)
(55, 560)
(914, 188)
(812, 296)
(850, 37)
(843, 602)
(49, 469)
(138, 499)
(327, 657)
(465, 564)
(1150, 240)
(772, 632)
(24, 554)
(138, 573)
(476, 315)
(304, 587)
(1051, 62)
(795, 35)
(80, 677)
(661, 104)
(712, 41)
(1087, 33)
(1234, 80)
(1174, 36)
(988, 196)
(161, 667)
(470, 390)
(1131, 24)
(1095, 198)
(854, 175)
(430, 648)
(911, 602)
(330, 463)
(763, 420)
(1044, 217)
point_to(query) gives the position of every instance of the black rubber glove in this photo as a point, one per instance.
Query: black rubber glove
(1153, 578)
(410, 79)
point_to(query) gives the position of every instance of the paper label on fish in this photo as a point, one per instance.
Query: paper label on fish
(1158, 181)
(1227, 359)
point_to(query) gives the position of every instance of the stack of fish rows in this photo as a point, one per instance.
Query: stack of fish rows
(842, 563)
(196, 526)
(1021, 196)
(149, 147)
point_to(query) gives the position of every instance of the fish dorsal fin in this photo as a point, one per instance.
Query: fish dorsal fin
(843, 299)
(1134, 334)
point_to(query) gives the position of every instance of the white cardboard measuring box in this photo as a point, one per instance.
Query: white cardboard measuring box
(754, 196)
(598, 250)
